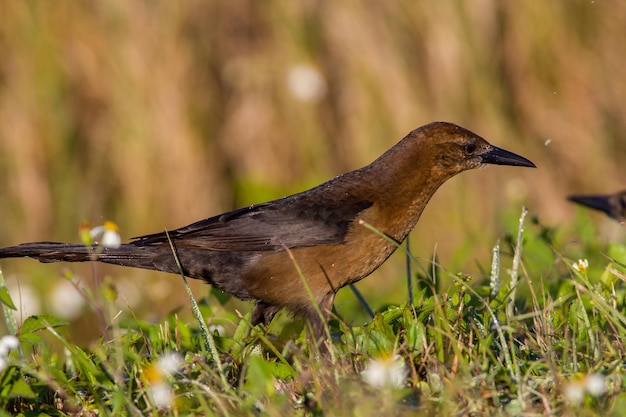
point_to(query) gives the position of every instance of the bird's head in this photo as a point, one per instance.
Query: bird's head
(453, 149)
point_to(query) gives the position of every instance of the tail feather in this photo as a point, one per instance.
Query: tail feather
(66, 252)
(225, 270)
(48, 252)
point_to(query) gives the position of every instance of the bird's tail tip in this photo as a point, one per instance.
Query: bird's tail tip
(48, 252)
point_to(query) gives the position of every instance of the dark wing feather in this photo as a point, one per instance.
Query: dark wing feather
(306, 219)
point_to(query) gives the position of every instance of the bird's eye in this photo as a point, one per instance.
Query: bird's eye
(470, 148)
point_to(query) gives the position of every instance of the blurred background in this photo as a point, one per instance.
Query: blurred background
(157, 114)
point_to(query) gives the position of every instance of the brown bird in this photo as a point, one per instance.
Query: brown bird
(252, 252)
(614, 205)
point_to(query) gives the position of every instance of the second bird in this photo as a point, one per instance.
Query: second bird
(252, 252)
(614, 205)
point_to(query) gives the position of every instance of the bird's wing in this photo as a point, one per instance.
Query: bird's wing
(296, 221)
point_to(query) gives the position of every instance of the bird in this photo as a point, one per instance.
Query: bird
(613, 205)
(332, 235)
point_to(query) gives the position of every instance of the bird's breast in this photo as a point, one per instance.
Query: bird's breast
(278, 277)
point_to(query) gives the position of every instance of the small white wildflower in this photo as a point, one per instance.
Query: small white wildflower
(107, 234)
(162, 395)
(595, 384)
(170, 363)
(157, 375)
(306, 83)
(385, 372)
(7, 344)
(592, 384)
(574, 392)
(66, 301)
(581, 265)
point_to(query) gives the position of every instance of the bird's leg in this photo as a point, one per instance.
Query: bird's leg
(263, 313)
(317, 323)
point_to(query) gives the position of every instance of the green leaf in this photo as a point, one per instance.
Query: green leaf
(618, 253)
(31, 338)
(378, 344)
(21, 389)
(5, 298)
(415, 336)
(36, 323)
(259, 377)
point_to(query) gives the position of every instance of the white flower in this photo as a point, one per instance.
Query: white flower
(574, 392)
(306, 83)
(7, 344)
(66, 301)
(581, 265)
(170, 363)
(592, 384)
(157, 376)
(107, 234)
(385, 372)
(162, 395)
(595, 384)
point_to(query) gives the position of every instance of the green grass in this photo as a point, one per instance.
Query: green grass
(469, 345)
(159, 116)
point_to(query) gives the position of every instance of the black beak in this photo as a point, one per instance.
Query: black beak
(596, 202)
(614, 205)
(498, 156)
